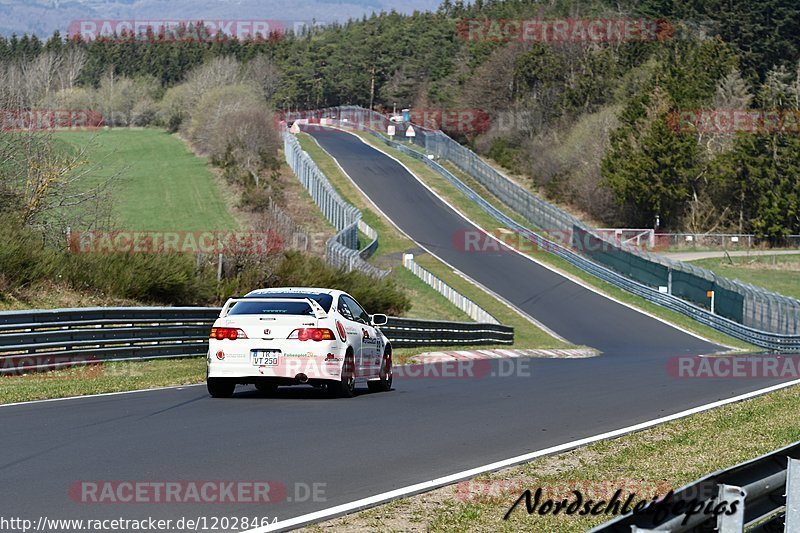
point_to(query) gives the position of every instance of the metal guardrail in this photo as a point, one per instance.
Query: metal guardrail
(46, 340)
(367, 251)
(761, 310)
(36, 340)
(764, 339)
(472, 309)
(772, 341)
(767, 489)
(342, 249)
(411, 332)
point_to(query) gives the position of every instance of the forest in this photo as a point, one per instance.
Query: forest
(587, 124)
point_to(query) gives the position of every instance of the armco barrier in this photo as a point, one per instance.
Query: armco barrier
(342, 249)
(789, 343)
(771, 341)
(40, 340)
(767, 490)
(473, 310)
(416, 332)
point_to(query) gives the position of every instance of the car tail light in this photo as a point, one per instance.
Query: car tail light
(312, 334)
(227, 333)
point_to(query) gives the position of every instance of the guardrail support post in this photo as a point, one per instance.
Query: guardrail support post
(731, 523)
(792, 496)
(669, 280)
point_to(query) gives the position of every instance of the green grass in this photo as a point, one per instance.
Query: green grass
(426, 303)
(101, 378)
(163, 186)
(778, 273)
(654, 460)
(489, 223)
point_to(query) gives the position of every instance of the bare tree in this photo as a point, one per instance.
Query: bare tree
(218, 72)
(262, 71)
(73, 61)
(40, 77)
(732, 93)
(214, 112)
(53, 188)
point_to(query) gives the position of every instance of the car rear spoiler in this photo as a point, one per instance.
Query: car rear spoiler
(319, 312)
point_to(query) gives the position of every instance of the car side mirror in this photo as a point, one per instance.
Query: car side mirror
(379, 320)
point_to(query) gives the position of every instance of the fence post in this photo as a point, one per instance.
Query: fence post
(731, 523)
(792, 496)
(669, 280)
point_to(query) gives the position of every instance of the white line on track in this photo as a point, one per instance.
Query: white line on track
(84, 396)
(407, 236)
(567, 275)
(371, 501)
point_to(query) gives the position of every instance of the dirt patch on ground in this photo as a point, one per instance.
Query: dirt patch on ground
(48, 295)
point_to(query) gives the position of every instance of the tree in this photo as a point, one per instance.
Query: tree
(653, 169)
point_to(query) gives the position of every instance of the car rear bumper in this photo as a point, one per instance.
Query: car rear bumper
(296, 359)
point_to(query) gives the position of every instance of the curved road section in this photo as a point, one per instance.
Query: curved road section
(82, 458)
(574, 312)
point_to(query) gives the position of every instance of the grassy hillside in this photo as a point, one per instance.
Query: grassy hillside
(163, 186)
(778, 273)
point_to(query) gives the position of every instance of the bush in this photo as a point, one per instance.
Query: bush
(152, 278)
(177, 279)
(149, 278)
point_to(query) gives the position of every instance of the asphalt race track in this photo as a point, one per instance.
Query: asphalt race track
(423, 429)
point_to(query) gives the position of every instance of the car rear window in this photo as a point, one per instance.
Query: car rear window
(324, 300)
(271, 308)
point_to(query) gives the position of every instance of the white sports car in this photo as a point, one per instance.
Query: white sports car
(292, 336)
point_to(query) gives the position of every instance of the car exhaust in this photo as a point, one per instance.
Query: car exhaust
(302, 378)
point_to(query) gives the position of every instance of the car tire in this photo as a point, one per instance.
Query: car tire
(266, 387)
(346, 386)
(220, 387)
(384, 384)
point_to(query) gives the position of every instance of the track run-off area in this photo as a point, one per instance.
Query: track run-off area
(326, 453)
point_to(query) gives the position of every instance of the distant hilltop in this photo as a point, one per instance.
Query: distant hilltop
(43, 17)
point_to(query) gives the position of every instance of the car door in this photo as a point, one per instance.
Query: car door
(353, 331)
(370, 357)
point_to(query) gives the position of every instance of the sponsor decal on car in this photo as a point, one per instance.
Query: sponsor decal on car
(341, 330)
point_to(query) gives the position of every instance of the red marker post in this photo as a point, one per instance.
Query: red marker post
(710, 294)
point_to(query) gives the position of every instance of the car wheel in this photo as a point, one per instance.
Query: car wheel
(385, 383)
(220, 387)
(346, 387)
(266, 387)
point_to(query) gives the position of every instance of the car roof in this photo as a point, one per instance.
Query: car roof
(309, 290)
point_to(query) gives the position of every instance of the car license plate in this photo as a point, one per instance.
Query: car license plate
(265, 357)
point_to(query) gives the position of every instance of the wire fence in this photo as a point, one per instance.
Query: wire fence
(473, 310)
(371, 234)
(746, 304)
(342, 249)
